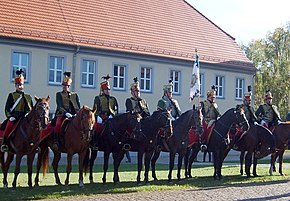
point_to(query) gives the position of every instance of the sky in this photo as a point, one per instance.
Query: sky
(245, 20)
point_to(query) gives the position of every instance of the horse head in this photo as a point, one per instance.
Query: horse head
(240, 119)
(41, 111)
(86, 118)
(163, 118)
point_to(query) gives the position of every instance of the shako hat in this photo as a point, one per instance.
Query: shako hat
(168, 87)
(67, 79)
(135, 85)
(19, 79)
(105, 85)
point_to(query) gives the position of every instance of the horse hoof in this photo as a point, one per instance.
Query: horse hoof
(91, 181)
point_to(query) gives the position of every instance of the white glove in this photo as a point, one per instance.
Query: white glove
(12, 119)
(68, 115)
(110, 116)
(26, 114)
(99, 120)
(263, 123)
(279, 122)
(256, 123)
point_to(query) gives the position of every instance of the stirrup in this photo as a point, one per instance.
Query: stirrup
(203, 147)
(55, 146)
(126, 147)
(95, 148)
(4, 148)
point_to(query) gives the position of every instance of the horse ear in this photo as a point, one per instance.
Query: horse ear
(193, 107)
(48, 98)
(36, 98)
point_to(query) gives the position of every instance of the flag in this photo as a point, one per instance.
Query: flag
(195, 79)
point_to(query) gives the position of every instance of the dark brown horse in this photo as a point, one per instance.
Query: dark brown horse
(75, 136)
(25, 140)
(257, 143)
(282, 136)
(219, 139)
(178, 142)
(112, 139)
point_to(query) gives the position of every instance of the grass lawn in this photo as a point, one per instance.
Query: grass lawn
(202, 179)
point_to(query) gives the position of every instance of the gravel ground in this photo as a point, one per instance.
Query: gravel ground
(277, 190)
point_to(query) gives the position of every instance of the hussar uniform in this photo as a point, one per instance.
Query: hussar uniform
(169, 104)
(106, 106)
(18, 104)
(209, 108)
(67, 106)
(137, 104)
(268, 113)
(248, 109)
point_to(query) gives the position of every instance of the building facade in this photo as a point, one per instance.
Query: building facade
(47, 46)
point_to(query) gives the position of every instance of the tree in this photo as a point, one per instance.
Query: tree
(271, 57)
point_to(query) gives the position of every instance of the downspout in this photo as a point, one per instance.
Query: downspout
(74, 67)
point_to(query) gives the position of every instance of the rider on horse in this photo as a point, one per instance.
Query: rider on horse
(68, 104)
(249, 110)
(136, 103)
(209, 107)
(18, 104)
(268, 113)
(167, 102)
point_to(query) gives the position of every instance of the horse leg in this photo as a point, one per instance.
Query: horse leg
(171, 165)
(5, 167)
(105, 166)
(155, 156)
(92, 160)
(41, 161)
(242, 157)
(215, 164)
(186, 158)
(281, 154)
(248, 163)
(30, 158)
(139, 159)
(272, 164)
(68, 167)
(118, 157)
(81, 168)
(148, 156)
(255, 163)
(56, 158)
(17, 169)
(190, 161)
(179, 165)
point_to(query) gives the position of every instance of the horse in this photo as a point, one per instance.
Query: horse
(257, 143)
(178, 141)
(24, 140)
(145, 141)
(75, 136)
(281, 134)
(219, 139)
(111, 139)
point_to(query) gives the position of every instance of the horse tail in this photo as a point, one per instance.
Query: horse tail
(86, 161)
(45, 161)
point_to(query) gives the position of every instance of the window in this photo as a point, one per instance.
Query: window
(88, 73)
(119, 77)
(20, 60)
(175, 77)
(145, 80)
(201, 76)
(219, 83)
(56, 68)
(239, 88)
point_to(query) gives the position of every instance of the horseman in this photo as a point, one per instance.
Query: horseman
(68, 104)
(268, 113)
(209, 108)
(136, 104)
(249, 110)
(167, 102)
(18, 104)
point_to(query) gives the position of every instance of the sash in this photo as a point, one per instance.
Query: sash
(16, 103)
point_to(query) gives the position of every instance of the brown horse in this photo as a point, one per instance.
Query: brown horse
(75, 136)
(281, 134)
(25, 140)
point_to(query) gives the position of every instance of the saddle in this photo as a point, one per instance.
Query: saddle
(12, 129)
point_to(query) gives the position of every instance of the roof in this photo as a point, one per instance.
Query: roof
(166, 28)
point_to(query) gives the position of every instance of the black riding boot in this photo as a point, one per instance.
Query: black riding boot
(55, 145)
(4, 147)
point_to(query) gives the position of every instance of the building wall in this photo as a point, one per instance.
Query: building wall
(38, 83)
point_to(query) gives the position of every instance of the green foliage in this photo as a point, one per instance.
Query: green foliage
(271, 56)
